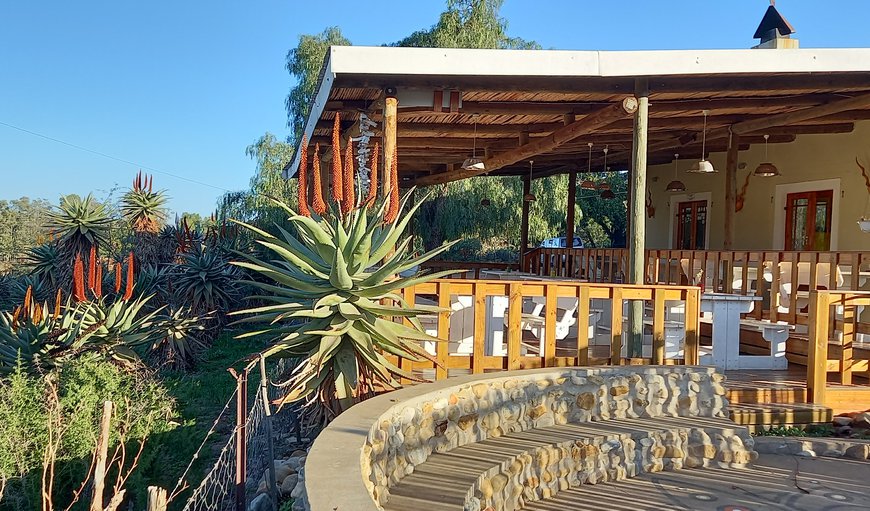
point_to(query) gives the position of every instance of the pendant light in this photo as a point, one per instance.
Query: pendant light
(766, 169)
(474, 163)
(588, 184)
(676, 185)
(604, 188)
(703, 166)
(530, 197)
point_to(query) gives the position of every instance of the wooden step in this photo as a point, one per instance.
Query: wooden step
(743, 394)
(763, 415)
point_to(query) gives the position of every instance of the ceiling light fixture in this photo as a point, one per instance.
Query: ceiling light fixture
(766, 169)
(530, 197)
(676, 185)
(703, 166)
(474, 163)
(588, 184)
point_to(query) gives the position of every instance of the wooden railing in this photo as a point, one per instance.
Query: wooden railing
(567, 351)
(834, 322)
(768, 274)
(470, 269)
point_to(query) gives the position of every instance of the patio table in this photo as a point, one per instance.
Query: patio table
(726, 309)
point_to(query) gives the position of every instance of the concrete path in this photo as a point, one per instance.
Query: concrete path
(776, 483)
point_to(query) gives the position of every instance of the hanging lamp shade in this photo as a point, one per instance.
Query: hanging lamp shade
(608, 194)
(703, 166)
(603, 187)
(588, 185)
(676, 185)
(485, 202)
(530, 197)
(473, 164)
(766, 169)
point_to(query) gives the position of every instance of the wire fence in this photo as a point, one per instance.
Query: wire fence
(242, 466)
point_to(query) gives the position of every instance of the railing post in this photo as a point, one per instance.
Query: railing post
(658, 331)
(478, 348)
(691, 353)
(442, 348)
(241, 436)
(817, 353)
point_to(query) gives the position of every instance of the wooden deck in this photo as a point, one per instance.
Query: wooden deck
(790, 388)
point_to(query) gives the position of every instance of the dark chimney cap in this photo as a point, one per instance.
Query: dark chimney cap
(773, 20)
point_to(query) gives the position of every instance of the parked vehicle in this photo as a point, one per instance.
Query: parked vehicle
(560, 242)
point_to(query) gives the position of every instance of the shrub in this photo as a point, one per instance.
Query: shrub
(144, 409)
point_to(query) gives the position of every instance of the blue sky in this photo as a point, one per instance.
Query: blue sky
(185, 86)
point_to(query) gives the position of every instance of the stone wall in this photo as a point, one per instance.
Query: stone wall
(405, 427)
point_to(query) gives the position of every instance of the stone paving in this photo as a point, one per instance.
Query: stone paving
(775, 483)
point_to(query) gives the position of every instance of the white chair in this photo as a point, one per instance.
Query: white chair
(790, 293)
(461, 336)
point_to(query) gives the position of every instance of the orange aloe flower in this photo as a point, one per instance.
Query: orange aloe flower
(302, 188)
(28, 295)
(335, 177)
(349, 198)
(57, 304)
(79, 280)
(98, 282)
(373, 176)
(128, 292)
(92, 267)
(318, 203)
(393, 210)
(118, 277)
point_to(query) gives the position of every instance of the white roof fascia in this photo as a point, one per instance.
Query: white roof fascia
(369, 60)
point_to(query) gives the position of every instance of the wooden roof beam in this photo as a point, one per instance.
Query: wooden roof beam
(602, 117)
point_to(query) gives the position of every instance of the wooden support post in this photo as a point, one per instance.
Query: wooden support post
(101, 456)
(524, 223)
(515, 328)
(569, 220)
(817, 351)
(391, 105)
(731, 190)
(443, 347)
(637, 209)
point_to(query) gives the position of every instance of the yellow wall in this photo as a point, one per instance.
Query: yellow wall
(809, 158)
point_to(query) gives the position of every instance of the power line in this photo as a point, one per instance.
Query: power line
(109, 156)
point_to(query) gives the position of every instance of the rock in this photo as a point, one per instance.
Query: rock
(282, 471)
(841, 421)
(806, 454)
(843, 431)
(861, 421)
(288, 484)
(260, 503)
(858, 452)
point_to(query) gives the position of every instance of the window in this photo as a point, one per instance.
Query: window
(808, 220)
(690, 226)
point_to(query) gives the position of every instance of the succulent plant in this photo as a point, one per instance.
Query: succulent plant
(178, 343)
(332, 294)
(80, 223)
(46, 264)
(142, 207)
(205, 281)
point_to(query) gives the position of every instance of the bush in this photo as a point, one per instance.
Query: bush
(143, 409)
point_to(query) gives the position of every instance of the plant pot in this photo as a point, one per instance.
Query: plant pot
(864, 224)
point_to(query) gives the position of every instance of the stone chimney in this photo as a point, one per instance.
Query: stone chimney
(775, 31)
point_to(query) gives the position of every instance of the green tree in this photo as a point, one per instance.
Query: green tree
(304, 63)
(468, 24)
(22, 227)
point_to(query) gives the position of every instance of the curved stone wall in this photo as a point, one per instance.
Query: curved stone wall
(371, 447)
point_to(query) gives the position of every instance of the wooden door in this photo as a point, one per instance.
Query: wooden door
(690, 226)
(808, 220)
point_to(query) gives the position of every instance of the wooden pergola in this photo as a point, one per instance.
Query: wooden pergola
(439, 106)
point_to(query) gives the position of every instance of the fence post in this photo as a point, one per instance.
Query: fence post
(270, 444)
(101, 456)
(241, 437)
(156, 499)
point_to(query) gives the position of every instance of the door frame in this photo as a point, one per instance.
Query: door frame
(779, 204)
(689, 197)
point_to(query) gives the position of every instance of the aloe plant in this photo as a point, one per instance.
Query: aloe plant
(80, 224)
(332, 294)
